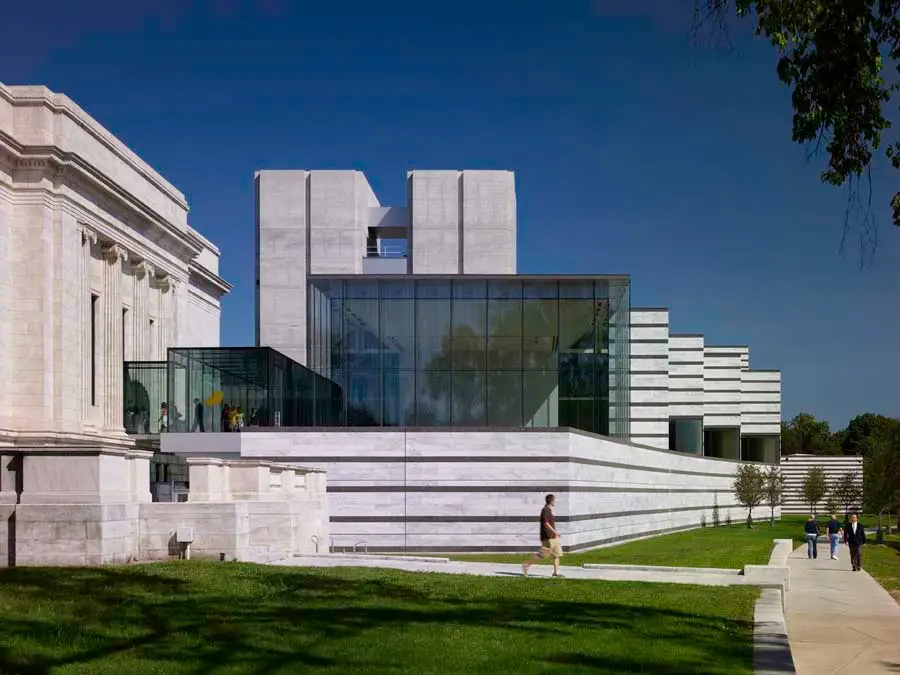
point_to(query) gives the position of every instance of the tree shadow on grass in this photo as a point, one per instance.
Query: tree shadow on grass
(199, 618)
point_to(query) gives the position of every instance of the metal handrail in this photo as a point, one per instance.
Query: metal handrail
(365, 546)
(315, 541)
(385, 252)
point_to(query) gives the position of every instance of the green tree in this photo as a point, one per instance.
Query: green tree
(832, 55)
(814, 487)
(749, 488)
(866, 428)
(773, 490)
(848, 491)
(831, 501)
(806, 435)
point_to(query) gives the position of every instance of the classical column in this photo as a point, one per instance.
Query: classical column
(114, 255)
(143, 272)
(88, 240)
(167, 313)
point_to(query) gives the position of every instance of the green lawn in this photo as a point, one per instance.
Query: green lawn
(728, 546)
(883, 563)
(233, 618)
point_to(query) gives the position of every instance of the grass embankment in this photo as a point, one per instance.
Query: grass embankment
(727, 546)
(233, 618)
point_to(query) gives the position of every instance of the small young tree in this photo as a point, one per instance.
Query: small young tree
(749, 488)
(814, 487)
(848, 491)
(832, 501)
(715, 515)
(773, 491)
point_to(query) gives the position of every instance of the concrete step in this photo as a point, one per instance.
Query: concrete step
(661, 569)
(372, 556)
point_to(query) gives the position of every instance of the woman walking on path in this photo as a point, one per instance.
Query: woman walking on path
(812, 537)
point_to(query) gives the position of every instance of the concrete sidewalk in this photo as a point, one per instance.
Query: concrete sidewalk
(840, 621)
(607, 573)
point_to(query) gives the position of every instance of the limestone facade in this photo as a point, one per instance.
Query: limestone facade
(97, 265)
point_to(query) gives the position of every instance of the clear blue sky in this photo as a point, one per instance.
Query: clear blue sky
(635, 149)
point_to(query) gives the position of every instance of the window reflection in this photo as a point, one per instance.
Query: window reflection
(473, 352)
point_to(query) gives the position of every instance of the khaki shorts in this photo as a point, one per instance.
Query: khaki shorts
(550, 548)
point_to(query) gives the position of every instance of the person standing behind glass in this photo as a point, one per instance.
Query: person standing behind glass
(834, 531)
(812, 535)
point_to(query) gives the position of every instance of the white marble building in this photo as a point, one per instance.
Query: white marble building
(679, 379)
(98, 265)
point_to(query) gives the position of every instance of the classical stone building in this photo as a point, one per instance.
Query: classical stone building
(98, 265)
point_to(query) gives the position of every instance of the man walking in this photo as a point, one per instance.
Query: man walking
(834, 533)
(550, 543)
(856, 537)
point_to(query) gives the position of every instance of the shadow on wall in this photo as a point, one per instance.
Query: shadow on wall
(196, 618)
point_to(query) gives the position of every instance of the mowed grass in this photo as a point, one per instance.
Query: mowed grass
(883, 563)
(726, 546)
(233, 618)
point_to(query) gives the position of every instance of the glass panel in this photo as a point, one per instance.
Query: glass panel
(504, 399)
(144, 392)
(686, 435)
(468, 404)
(433, 394)
(540, 398)
(363, 398)
(398, 392)
(540, 331)
(432, 334)
(398, 325)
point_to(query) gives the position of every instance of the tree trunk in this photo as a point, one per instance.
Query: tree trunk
(750, 518)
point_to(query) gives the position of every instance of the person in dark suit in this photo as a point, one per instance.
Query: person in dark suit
(855, 534)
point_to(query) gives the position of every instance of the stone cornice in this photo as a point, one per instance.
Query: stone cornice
(59, 163)
(61, 104)
(214, 279)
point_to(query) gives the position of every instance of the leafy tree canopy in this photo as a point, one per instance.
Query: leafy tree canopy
(808, 436)
(833, 54)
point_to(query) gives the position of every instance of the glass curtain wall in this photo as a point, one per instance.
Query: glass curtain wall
(144, 392)
(220, 389)
(499, 352)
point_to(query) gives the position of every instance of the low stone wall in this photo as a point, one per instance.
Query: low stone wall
(249, 510)
(471, 490)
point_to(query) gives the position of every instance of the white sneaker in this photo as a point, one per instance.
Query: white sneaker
(834, 557)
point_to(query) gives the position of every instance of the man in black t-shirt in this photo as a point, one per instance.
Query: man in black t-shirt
(834, 530)
(550, 542)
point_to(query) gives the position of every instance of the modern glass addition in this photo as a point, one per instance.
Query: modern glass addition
(686, 434)
(266, 387)
(474, 352)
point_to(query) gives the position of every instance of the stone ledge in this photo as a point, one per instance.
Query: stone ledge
(771, 648)
(768, 575)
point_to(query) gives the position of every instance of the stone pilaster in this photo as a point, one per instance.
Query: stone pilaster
(143, 272)
(88, 241)
(167, 316)
(113, 255)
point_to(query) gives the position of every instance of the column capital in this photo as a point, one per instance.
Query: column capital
(166, 283)
(113, 253)
(88, 235)
(141, 268)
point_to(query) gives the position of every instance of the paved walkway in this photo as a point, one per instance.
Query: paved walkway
(840, 621)
(618, 573)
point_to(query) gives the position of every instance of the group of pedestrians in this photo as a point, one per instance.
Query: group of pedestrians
(852, 532)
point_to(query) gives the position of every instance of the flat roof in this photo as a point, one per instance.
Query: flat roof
(475, 277)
